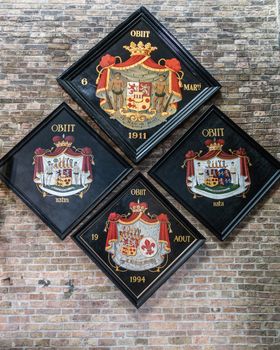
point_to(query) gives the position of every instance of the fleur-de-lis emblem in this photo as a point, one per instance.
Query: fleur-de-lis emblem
(148, 247)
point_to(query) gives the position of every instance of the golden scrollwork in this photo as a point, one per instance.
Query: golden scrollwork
(138, 117)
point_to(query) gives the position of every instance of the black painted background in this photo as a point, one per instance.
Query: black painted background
(18, 169)
(121, 206)
(163, 51)
(173, 176)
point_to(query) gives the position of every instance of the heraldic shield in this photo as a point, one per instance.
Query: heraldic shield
(65, 170)
(217, 174)
(138, 242)
(139, 92)
(136, 248)
(138, 83)
(62, 169)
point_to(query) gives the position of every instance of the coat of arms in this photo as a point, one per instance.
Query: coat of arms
(217, 174)
(139, 92)
(138, 241)
(64, 170)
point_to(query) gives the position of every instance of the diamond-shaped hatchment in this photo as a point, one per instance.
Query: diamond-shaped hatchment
(217, 171)
(139, 240)
(138, 83)
(62, 170)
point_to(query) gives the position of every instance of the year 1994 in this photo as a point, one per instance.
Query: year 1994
(137, 279)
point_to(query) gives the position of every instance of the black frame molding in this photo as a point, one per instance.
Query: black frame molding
(236, 220)
(101, 117)
(25, 140)
(167, 273)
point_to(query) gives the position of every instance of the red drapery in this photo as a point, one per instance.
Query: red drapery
(38, 162)
(241, 153)
(86, 153)
(114, 218)
(87, 160)
(108, 61)
(244, 162)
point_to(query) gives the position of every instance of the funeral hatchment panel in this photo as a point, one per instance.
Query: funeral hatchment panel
(138, 83)
(139, 240)
(62, 169)
(217, 171)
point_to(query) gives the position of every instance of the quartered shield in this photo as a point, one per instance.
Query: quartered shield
(138, 242)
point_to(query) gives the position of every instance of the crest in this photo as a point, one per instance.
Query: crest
(139, 92)
(138, 250)
(139, 241)
(217, 174)
(168, 83)
(138, 96)
(63, 171)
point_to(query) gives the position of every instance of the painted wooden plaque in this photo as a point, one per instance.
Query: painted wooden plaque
(217, 172)
(139, 240)
(62, 170)
(138, 83)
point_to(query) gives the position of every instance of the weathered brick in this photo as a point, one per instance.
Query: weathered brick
(226, 297)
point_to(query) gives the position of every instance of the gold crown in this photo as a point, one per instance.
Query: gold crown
(140, 48)
(137, 207)
(63, 143)
(215, 146)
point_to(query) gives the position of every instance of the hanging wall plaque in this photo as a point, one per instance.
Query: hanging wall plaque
(217, 172)
(139, 240)
(138, 83)
(62, 170)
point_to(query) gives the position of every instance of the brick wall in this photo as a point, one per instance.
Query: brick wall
(227, 296)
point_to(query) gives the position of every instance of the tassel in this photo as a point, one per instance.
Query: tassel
(169, 227)
(106, 226)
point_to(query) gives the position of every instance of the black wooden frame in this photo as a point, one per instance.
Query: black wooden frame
(99, 115)
(236, 220)
(40, 213)
(100, 263)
